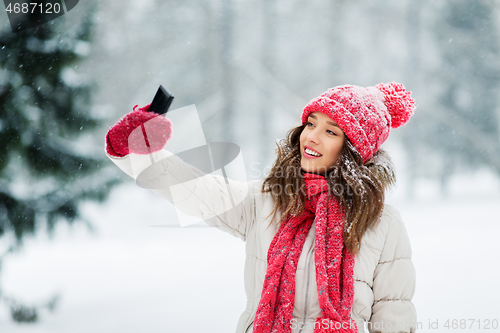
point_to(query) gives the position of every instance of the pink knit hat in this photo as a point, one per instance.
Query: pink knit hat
(365, 114)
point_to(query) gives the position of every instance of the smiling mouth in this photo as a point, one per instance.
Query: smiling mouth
(312, 152)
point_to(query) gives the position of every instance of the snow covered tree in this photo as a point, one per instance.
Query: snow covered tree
(48, 164)
(45, 168)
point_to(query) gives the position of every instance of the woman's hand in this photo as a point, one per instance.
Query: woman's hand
(156, 131)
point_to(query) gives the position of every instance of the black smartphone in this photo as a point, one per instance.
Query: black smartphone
(162, 101)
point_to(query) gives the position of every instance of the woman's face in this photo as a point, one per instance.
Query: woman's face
(321, 143)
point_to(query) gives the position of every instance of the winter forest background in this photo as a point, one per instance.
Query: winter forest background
(80, 246)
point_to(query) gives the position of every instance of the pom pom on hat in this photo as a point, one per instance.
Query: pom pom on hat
(398, 102)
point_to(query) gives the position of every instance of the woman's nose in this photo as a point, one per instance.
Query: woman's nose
(313, 136)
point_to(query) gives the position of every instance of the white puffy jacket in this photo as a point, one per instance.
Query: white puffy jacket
(384, 273)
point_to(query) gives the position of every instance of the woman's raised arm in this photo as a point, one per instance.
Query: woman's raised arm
(224, 203)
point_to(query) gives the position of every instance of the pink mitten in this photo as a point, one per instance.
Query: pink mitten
(156, 131)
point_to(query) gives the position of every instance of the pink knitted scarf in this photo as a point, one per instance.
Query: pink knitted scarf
(334, 266)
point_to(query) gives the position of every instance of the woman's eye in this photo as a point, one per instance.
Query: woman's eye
(331, 132)
(309, 123)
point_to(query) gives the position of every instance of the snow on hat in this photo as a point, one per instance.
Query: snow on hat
(365, 114)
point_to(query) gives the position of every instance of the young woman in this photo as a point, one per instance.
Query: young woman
(324, 253)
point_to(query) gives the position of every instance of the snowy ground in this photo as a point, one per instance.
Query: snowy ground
(131, 277)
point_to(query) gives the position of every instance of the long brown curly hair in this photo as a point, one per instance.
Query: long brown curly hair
(360, 188)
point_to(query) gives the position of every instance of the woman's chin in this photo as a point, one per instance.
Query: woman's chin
(307, 168)
(320, 170)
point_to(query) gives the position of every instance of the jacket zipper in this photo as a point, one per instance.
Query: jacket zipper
(308, 277)
(249, 325)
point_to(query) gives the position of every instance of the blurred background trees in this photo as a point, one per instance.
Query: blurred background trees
(456, 128)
